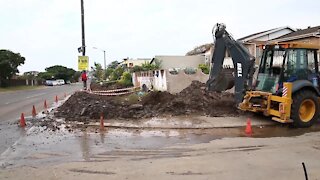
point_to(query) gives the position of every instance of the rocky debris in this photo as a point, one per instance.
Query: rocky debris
(192, 100)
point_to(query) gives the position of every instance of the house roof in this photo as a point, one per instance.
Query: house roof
(311, 31)
(263, 33)
(200, 49)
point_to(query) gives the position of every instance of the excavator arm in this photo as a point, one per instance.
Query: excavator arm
(243, 63)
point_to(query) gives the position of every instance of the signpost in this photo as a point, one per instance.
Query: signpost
(83, 63)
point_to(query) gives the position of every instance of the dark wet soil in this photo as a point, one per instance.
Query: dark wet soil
(107, 86)
(193, 100)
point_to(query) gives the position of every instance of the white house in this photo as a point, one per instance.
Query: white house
(176, 73)
(130, 63)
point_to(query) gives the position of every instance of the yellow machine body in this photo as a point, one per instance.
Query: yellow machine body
(279, 107)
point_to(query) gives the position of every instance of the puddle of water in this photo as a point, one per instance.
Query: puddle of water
(39, 146)
(168, 122)
(282, 131)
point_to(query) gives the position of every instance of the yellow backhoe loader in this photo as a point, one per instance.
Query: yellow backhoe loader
(286, 86)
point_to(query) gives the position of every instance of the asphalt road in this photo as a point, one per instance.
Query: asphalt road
(12, 104)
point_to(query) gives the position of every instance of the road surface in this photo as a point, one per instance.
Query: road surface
(120, 153)
(12, 104)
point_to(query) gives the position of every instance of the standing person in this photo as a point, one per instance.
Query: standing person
(84, 79)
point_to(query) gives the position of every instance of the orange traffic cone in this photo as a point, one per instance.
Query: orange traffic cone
(45, 104)
(56, 99)
(248, 128)
(22, 121)
(101, 122)
(34, 112)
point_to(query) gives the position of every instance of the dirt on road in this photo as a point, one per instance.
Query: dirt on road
(194, 100)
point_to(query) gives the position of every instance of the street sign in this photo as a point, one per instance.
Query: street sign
(83, 63)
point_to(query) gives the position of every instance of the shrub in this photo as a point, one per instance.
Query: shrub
(204, 68)
(126, 79)
(190, 70)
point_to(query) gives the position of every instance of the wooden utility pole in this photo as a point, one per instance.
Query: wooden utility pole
(82, 28)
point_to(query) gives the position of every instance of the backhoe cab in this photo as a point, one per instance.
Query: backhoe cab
(286, 85)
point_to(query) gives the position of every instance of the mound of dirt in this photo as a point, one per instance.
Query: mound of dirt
(157, 97)
(106, 86)
(192, 100)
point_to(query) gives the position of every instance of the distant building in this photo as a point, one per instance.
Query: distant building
(254, 42)
(179, 62)
(31, 78)
(203, 50)
(176, 73)
(31, 73)
(310, 35)
(130, 63)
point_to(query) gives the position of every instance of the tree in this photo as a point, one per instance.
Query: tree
(9, 62)
(98, 71)
(126, 79)
(137, 68)
(76, 76)
(113, 64)
(147, 66)
(45, 75)
(108, 72)
(57, 72)
(116, 74)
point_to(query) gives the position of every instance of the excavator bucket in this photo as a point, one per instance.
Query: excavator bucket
(223, 82)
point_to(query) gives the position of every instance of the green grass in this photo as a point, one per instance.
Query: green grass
(18, 88)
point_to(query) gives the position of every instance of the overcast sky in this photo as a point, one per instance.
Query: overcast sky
(48, 32)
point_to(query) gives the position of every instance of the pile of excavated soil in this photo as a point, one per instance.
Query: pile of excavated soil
(193, 100)
(107, 86)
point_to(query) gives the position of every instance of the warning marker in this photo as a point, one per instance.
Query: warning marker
(22, 121)
(45, 104)
(248, 130)
(34, 112)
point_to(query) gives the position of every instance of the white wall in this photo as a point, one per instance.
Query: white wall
(160, 80)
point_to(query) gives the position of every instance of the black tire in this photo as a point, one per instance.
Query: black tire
(300, 99)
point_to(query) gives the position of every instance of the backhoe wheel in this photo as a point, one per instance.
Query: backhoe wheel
(305, 108)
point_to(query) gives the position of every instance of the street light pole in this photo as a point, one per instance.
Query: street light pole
(104, 56)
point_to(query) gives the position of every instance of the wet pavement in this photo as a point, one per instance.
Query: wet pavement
(12, 104)
(40, 145)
